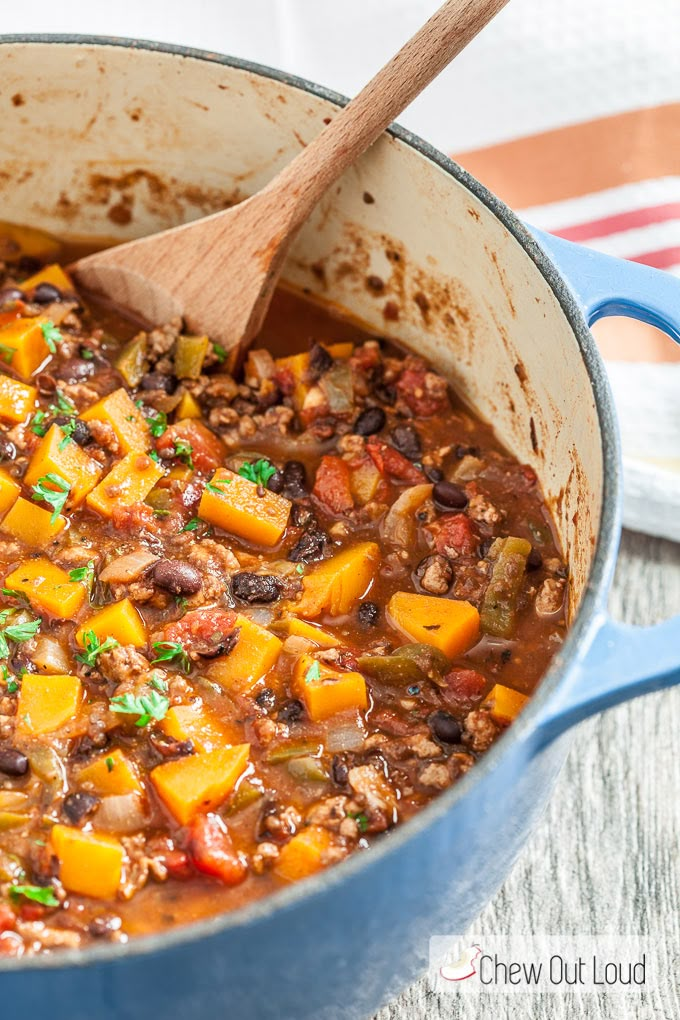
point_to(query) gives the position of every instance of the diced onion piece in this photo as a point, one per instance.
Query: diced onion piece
(49, 655)
(127, 568)
(121, 813)
(399, 524)
(346, 733)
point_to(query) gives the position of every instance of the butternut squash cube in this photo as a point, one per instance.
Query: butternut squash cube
(120, 620)
(298, 366)
(188, 407)
(111, 775)
(60, 455)
(449, 624)
(304, 854)
(128, 482)
(47, 587)
(90, 863)
(22, 345)
(17, 400)
(337, 584)
(504, 703)
(232, 503)
(198, 724)
(47, 702)
(300, 628)
(125, 418)
(32, 524)
(326, 691)
(252, 657)
(200, 782)
(53, 274)
(9, 490)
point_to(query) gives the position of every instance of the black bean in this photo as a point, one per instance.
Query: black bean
(73, 370)
(46, 293)
(449, 496)
(275, 482)
(369, 613)
(310, 547)
(433, 474)
(534, 560)
(290, 711)
(445, 727)
(158, 381)
(405, 439)
(176, 576)
(266, 699)
(294, 479)
(8, 294)
(8, 450)
(466, 451)
(302, 517)
(340, 771)
(319, 362)
(81, 432)
(370, 422)
(78, 806)
(387, 394)
(256, 588)
(13, 762)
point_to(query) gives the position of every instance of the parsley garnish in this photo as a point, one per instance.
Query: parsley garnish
(360, 818)
(62, 404)
(313, 673)
(37, 893)
(84, 574)
(56, 496)
(16, 632)
(259, 472)
(183, 450)
(219, 351)
(86, 353)
(192, 524)
(157, 423)
(12, 686)
(68, 428)
(147, 706)
(159, 684)
(94, 648)
(154, 456)
(52, 335)
(168, 651)
(37, 426)
(211, 487)
(299, 569)
(7, 353)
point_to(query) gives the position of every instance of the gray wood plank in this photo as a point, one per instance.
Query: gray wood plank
(605, 857)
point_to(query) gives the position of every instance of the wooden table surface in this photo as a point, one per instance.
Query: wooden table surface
(605, 857)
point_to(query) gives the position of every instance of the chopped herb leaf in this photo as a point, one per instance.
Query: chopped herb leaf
(299, 569)
(219, 351)
(94, 648)
(68, 428)
(52, 335)
(37, 893)
(86, 353)
(22, 631)
(154, 456)
(7, 353)
(360, 818)
(37, 426)
(53, 490)
(12, 686)
(169, 651)
(258, 472)
(192, 524)
(313, 673)
(110, 763)
(84, 574)
(159, 684)
(62, 404)
(146, 706)
(158, 423)
(183, 450)
(211, 487)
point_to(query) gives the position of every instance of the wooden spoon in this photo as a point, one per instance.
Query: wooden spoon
(241, 250)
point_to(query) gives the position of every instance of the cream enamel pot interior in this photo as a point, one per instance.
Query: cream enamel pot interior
(113, 138)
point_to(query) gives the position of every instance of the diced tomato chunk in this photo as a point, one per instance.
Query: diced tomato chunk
(390, 462)
(212, 850)
(204, 631)
(456, 535)
(464, 688)
(207, 449)
(32, 911)
(7, 918)
(134, 518)
(423, 391)
(178, 864)
(285, 380)
(332, 484)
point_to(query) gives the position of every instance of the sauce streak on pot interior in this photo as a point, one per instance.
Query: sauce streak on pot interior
(248, 625)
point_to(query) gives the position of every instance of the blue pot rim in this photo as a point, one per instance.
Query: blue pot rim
(577, 636)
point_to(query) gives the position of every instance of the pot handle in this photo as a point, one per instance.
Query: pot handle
(621, 661)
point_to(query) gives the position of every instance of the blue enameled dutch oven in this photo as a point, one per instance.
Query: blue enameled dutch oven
(113, 137)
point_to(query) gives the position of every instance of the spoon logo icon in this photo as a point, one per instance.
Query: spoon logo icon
(464, 967)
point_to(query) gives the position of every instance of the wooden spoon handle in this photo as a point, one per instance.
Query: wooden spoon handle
(354, 128)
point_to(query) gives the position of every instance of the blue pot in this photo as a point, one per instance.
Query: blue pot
(342, 943)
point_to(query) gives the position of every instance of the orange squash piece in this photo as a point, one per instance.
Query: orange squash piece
(46, 702)
(188, 407)
(293, 627)
(47, 587)
(304, 854)
(60, 455)
(120, 620)
(125, 418)
(326, 691)
(111, 775)
(337, 584)
(22, 345)
(200, 782)
(9, 490)
(17, 400)
(449, 624)
(53, 274)
(504, 703)
(252, 657)
(128, 482)
(236, 507)
(198, 724)
(90, 863)
(32, 524)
